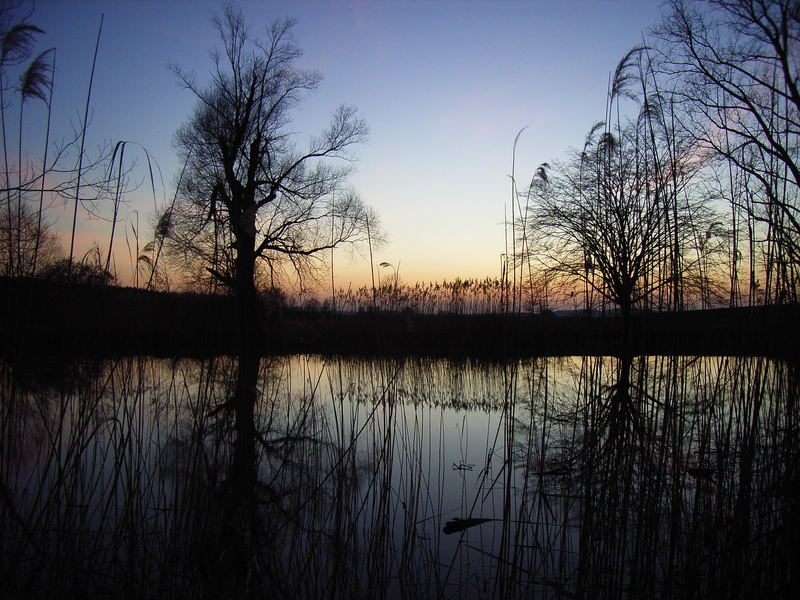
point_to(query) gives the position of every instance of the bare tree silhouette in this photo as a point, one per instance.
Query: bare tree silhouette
(248, 196)
(736, 67)
(598, 219)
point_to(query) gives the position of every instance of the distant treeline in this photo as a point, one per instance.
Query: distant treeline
(52, 318)
(61, 318)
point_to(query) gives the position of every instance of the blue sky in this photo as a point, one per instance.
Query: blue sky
(444, 87)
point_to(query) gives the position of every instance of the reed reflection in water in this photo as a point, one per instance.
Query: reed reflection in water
(553, 477)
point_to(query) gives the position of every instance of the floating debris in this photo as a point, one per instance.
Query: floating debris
(463, 466)
(456, 525)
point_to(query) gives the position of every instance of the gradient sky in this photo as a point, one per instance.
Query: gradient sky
(444, 87)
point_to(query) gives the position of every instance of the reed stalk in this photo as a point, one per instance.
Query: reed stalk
(84, 128)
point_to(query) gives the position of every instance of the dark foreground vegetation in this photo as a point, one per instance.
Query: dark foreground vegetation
(57, 318)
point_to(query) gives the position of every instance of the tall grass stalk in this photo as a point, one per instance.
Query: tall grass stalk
(119, 156)
(514, 200)
(15, 48)
(84, 128)
(40, 211)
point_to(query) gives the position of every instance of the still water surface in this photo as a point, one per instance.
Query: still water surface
(545, 478)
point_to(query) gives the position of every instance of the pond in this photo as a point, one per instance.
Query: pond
(554, 477)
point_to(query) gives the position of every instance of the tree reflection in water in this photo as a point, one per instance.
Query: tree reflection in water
(571, 477)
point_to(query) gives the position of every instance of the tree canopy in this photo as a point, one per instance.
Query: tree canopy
(248, 196)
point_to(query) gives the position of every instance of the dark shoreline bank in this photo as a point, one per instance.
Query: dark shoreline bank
(45, 318)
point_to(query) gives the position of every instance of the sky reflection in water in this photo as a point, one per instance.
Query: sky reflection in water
(647, 475)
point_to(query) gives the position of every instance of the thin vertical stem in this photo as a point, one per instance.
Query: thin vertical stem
(121, 146)
(83, 145)
(513, 223)
(19, 185)
(44, 167)
(10, 263)
(371, 262)
(333, 250)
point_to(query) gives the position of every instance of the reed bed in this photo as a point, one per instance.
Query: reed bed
(666, 477)
(459, 296)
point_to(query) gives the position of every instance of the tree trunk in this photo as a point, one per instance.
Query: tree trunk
(625, 313)
(241, 506)
(248, 322)
(245, 292)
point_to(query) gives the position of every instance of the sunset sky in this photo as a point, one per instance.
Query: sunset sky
(444, 87)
